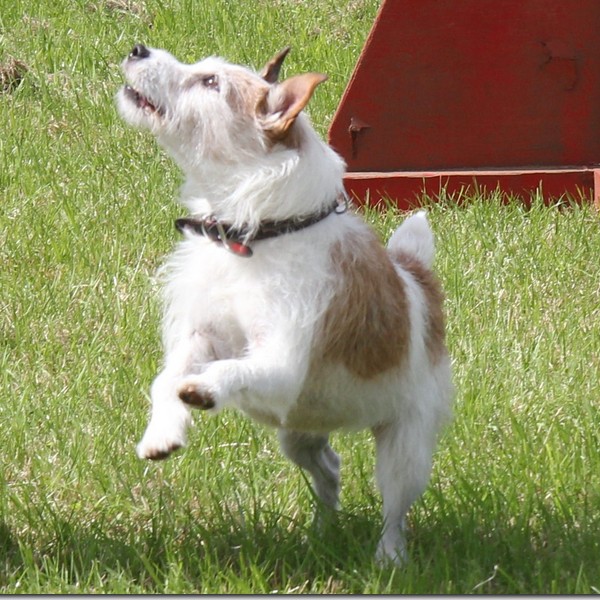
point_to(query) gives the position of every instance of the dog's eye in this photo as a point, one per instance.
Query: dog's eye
(211, 82)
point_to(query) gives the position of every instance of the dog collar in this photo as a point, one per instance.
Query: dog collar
(236, 240)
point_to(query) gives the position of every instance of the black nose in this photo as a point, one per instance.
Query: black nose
(139, 51)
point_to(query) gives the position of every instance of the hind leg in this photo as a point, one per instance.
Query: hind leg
(313, 453)
(403, 467)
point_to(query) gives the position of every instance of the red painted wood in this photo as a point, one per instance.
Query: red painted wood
(406, 188)
(475, 85)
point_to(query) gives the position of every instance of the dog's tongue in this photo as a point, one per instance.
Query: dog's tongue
(144, 103)
(140, 99)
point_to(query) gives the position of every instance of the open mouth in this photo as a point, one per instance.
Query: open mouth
(142, 102)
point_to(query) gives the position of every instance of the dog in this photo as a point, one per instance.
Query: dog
(279, 301)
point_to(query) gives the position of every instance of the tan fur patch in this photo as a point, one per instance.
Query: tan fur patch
(434, 297)
(248, 96)
(246, 93)
(367, 326)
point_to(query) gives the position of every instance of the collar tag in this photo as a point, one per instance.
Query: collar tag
(233, 245)
(238, 248)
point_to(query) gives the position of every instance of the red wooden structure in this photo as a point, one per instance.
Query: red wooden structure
(457, 93)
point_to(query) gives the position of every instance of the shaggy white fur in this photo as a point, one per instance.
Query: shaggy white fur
(321, 328)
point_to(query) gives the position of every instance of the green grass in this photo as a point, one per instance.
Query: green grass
(85, 219)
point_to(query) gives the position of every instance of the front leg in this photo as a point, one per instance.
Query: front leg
(269, 379)
(220, 384)
(170, 419)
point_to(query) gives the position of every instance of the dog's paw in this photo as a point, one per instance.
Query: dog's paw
(391, 554)
(158, 444)
(195, 396)
(156, 453)
(213, 389)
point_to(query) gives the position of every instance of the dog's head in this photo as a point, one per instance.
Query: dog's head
(212, 110)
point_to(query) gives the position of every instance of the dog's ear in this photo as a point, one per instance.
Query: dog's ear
(270, 72)
(284, 102)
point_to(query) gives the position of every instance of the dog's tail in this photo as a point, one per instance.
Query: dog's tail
(415, 239)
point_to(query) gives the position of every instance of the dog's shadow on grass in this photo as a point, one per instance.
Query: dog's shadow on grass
(273, 552)
(288, 554)
(485, 553)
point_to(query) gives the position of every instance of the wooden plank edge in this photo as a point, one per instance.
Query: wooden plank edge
(406, 189)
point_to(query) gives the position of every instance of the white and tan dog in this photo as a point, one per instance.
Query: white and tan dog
(278, 302)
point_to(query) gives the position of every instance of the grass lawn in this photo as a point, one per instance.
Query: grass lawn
(86, 210)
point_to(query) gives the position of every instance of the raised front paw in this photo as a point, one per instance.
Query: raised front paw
(195, 396)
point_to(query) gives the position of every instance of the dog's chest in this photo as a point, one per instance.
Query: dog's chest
(231, 297)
